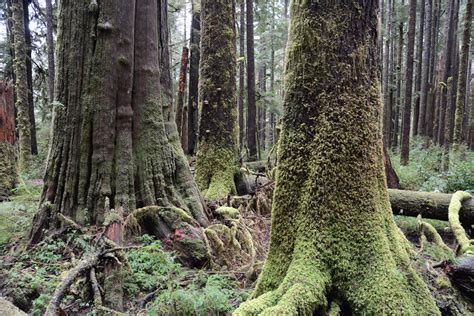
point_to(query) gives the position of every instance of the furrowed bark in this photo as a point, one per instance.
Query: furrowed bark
(112, 136)
(8, 170)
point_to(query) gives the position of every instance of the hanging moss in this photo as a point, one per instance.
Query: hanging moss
(332, 233)
(217, 154)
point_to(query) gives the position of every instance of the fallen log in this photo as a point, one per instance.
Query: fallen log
(429, 204)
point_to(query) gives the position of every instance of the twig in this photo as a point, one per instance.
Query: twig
(95, 289)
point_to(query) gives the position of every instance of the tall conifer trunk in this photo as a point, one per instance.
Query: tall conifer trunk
(217, 159)
(331, 176)
(110, 140)
(406, 119)
(195, 56)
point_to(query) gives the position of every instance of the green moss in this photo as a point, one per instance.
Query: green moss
(8, 168)
(332, 226)
(215, 171)
(461, 237)
(228, 212)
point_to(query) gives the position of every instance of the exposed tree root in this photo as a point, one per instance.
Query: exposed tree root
(465, 245)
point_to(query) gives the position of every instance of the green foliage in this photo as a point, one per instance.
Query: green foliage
(152, 266)
(181, 292)
(424, 171)
(16, 214)
(205, 296)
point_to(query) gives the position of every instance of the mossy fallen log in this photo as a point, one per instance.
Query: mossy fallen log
(428, 204)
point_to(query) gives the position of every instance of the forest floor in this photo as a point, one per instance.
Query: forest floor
(156, 283)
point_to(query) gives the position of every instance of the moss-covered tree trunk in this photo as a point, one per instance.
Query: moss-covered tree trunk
(50, 44)
(110, 140)
(333, 237)
(8, 169)
(217, 154)
(21, 84)
(463, 68)
(29, 73)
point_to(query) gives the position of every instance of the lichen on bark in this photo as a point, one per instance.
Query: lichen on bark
(21, 85)
(333, 236)
(217, 153)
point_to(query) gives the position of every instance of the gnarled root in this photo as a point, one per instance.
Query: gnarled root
(301, 293)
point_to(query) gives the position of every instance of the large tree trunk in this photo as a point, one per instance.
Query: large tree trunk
(29, 72)
(217, 154)
(8, 171)
(406, 119)
(333, 233)
(50, 43)
(21, 84)
(463, 67)
(242, 76)
(110, 140)
(251, 103)
(195, 56)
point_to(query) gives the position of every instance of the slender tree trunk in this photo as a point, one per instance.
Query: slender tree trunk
(110, 137)
(331, 169)
(50, 44)
(169, 113)
(447, 71)
(262, 83)
(406, 120)
(217, 160)
(8, 168)
(182, 88)
(398, 106)
(21, 81)
(463, 68)
(242, 76)
(271, 129)
(193, 115)
(419, 68)
(424, 88)
(29, 71)
(251, 103)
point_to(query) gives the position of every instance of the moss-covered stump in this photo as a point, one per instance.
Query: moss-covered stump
(333, 237)
(8, 168)
(217, 154)
(176, 229)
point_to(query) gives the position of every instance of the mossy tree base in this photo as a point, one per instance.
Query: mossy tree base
(333, 237)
